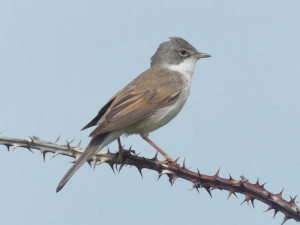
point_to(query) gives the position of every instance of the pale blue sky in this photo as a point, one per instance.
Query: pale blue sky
(61, 60)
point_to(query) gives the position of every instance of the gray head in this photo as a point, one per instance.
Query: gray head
(175, 51)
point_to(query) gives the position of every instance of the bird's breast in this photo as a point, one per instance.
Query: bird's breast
(161, 116)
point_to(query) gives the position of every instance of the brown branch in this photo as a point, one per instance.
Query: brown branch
(251, 191)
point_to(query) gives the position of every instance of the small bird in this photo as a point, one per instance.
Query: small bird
(149, 102)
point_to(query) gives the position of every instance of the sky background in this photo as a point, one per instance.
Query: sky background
(60, 61)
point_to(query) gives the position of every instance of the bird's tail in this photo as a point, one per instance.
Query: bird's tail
(93, 147)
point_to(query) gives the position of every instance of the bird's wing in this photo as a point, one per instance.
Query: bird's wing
(134, 106)
(101, 112)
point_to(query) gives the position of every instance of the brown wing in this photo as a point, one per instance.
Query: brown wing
(99, 115)
(101, 112)
(134, 106)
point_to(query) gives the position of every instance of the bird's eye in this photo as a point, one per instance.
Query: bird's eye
(182, 52)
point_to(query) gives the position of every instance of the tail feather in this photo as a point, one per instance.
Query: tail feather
(91, 149)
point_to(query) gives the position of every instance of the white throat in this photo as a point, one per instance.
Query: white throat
(186, 68)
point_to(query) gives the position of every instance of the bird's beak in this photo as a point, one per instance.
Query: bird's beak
(201, 55)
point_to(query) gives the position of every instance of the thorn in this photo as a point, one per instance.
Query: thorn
(159, 176)
(175, 161)
(111, 166)
(257, 182)
(285, 219)
(230, 193)
(28, 147)
(247, 199)
(252, 202)
(7, 146)
(268, 209)
(293, 200)
(108, 152)
(263, 185)
(55, 154)
(140, 170)
(95, 164)
(89, 162)
(44, 155)
(71, 141)
(57, 140)
(199, 174)
(217, 173)
(15, 146)
(275, 212)
(230, 177)
(172, 179)
(280, 193)
(183, 164)
(208, 191)
(78, 146)
(69, 145)
(155, 157)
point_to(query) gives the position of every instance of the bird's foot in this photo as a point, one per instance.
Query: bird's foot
(123, 152)
(170, 161)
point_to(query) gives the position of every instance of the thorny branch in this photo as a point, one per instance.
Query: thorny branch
(251, 191)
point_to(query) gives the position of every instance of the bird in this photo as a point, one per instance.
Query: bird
(147, 103)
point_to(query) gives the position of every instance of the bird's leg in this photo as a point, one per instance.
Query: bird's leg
(168, 158)
(122, 152)
(120, 145)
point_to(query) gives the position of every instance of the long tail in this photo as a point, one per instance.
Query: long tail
(91, 149)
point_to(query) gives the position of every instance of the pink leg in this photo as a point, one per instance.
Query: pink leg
(120, 145)
(158, 149)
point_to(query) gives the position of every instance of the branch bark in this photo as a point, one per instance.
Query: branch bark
(251, 191)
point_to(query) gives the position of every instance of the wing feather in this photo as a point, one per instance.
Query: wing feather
(129, 110)
(139, 99)
(101, 112)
